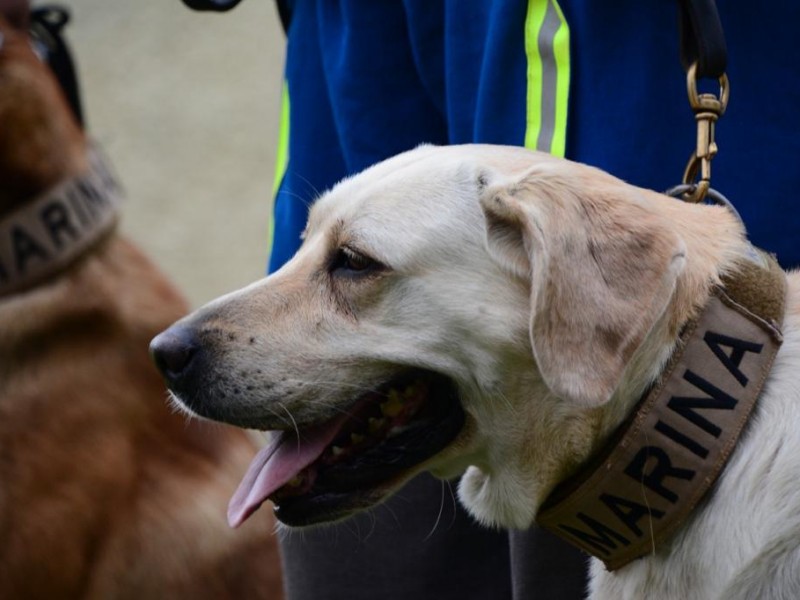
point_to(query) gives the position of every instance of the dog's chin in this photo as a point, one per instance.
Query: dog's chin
(327, 471)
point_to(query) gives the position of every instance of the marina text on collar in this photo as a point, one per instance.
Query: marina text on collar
(48, 234)
(669, 454)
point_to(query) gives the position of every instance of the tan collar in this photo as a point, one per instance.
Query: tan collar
(665, 459)
(45, 236)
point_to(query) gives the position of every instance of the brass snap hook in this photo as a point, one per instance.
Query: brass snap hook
(707, 109)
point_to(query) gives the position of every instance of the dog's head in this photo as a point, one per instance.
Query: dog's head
(464, 308)
(41, 144)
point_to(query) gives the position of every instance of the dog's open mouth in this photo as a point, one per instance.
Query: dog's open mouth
(326, 471)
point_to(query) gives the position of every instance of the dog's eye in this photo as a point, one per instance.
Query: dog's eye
(350, 261)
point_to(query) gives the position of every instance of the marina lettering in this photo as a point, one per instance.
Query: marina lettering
(56, 219)
(652, 466)
(680, 438)
(25, 248)
(654, 478)
(602, 539)
(630, 512)
(59, 224)
(717, 399)
(734, 359)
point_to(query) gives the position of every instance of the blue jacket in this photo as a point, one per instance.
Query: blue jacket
(369, 79)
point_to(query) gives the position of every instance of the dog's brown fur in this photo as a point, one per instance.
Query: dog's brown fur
(104, 491)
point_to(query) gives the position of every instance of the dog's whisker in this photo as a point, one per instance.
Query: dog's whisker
(294, 424)
(373, 522)
(281, 531)
(453, 499)
(647, 504)
(391, 512)
(342, 411)
(331, 385)
(438, 517)
(507, 402)
(313, 188)
(278, 416)
(177, 408)
(354, 528)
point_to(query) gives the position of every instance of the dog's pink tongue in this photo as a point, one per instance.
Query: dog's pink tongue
(280, 461)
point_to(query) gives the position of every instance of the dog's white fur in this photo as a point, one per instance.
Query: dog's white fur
(552, 294)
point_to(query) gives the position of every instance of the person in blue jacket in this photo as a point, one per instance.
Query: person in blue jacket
(601, 81)
(596, 82)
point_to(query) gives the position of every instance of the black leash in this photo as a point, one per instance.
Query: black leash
(702, 39)
(46, 29)
(215, 5)
(704, 54)
(224, 5)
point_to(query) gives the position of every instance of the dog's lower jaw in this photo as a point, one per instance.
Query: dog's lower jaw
(504, 499)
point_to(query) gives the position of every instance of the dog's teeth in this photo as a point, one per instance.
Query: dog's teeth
(375, 425)
(393, 406)
(411, 391)
(394, 431)
(336, 450)
(295, 481)
(356, 438)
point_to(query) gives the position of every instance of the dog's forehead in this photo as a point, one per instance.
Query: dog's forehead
(412, 192)
(429, 190)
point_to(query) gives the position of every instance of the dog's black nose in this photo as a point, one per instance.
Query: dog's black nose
(173, 351)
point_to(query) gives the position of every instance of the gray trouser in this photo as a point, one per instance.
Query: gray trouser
(421, 545)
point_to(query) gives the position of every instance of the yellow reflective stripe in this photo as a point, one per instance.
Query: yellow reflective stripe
(282, 153)
(533, 23)
(561, 52)
(547, 51)
(281, 156)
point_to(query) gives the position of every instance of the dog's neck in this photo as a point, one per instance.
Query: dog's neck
(665, 459)
(46, 235)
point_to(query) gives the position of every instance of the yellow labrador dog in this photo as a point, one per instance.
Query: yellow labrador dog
(500, 313)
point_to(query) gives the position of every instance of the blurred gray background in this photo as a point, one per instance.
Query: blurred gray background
(187, 106)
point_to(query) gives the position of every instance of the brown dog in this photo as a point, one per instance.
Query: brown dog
(104, 491)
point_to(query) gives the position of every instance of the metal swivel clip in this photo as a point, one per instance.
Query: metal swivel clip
(707, 109)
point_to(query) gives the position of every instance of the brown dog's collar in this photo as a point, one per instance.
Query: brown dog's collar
(666, 458)
(45, 236)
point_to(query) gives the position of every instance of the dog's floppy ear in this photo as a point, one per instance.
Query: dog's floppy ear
(602, 268)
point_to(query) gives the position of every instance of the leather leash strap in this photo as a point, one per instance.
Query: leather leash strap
(666, 458)
(702, 39)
